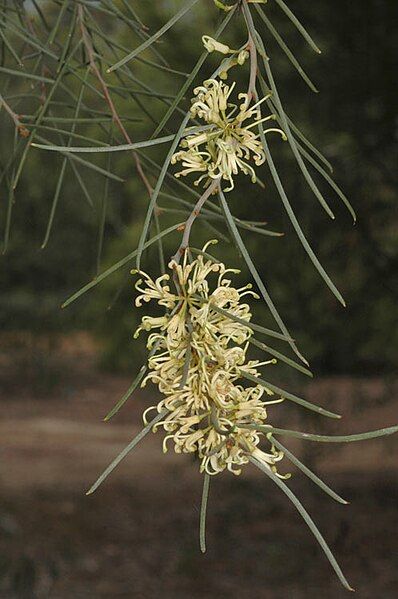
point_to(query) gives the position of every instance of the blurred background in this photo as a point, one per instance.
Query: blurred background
(62, 370)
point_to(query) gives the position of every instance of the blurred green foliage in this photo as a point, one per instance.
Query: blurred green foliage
(353, 120)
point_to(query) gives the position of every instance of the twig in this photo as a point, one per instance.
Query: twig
(22, 130)
(191, 219)
(107, 96)
(251, 92)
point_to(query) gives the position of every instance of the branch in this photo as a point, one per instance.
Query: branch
(90, 52)
(22, 130)
(251, 92)
(191, 219)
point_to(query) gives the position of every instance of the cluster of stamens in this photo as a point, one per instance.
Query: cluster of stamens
(228, 142)
(198, 358)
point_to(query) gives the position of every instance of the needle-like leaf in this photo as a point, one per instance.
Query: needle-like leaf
(281, 357)
(86, 163)
(308, 156)
(299, 26)
(10, 48)
(307, 471)
(187, 7)
(236, 235)
(82, 184)
(128, 393)
(383, 432)
(285, 48)
(329, 180)
(26, 75)
(116, 266)
(203, 512)
(106, 148)
(54, 203)
(250, 325)
(102, 217)
(290, 138)
(294, 221)
(11, 198)
(187, 84)
(125, 452)
(286, 395)
(158, 185)
(307, 519)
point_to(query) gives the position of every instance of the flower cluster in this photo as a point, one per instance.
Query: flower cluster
(226, 144)
(198, 354)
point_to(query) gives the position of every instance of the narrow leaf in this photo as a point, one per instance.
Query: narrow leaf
(307, 519)
(54, 203)
(291, 140)
(294, 221)
(187, 6)
(281, 357)
(10, 48)
(255, 275)
(187, 84)
(87, 164)
(329, 180)
(82, 184)
(116, 266)
(285, 48)
(299, 26)
(107, 148)
(128, 393)
(309, 145)
(158, 185)
(308, 472)
(125, 452)
(383, 432)
(203, 512)
(286, 395)
(26, 75)
(249, 325)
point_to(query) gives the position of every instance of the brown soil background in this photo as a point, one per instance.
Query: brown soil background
(137, 536)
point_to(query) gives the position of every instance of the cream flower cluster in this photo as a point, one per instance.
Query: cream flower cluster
(198, 355)
(226, 144)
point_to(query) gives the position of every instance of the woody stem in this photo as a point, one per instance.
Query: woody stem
(191, 219)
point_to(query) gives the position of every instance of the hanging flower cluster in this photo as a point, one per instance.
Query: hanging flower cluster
(227, 144)
(198, 355)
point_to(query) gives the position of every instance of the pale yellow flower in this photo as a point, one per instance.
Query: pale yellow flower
(198, 358)
(227, 144)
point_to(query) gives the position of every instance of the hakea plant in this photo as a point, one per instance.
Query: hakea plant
(213, 398)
